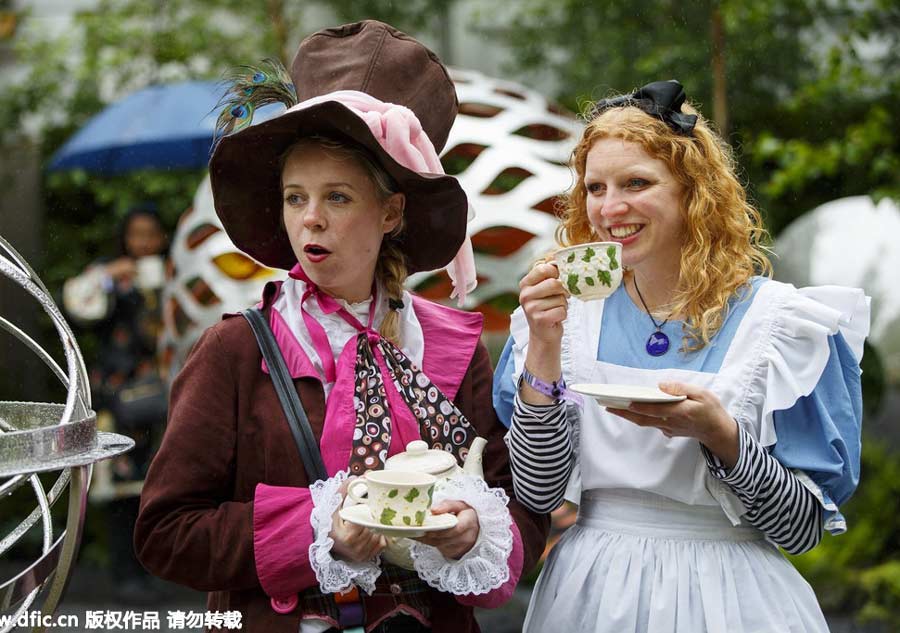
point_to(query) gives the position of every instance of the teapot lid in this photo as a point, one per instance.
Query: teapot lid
(419, 458)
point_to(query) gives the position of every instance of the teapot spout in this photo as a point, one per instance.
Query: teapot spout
(473, 464)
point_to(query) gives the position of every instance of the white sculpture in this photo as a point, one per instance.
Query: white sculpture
(851, 242)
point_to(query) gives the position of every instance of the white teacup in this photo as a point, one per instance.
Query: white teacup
(395, 497)
(151, 272)
(590, 271)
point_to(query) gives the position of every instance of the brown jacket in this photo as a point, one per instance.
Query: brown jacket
(227, 433)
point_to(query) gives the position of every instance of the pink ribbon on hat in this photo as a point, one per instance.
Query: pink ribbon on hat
(400, 134)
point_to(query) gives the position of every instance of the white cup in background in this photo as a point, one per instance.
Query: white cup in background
(151, 272)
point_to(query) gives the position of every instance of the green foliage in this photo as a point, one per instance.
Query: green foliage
(613, 262)
(813, 89)
(837, 134)
(410, 16)
(109, 51)
(412, 495)
(609, 46)
(605, 278)
(572, 284)
(813, 86)
(506, 302)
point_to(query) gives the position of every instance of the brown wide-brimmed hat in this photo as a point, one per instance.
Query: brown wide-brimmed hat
(369, 57)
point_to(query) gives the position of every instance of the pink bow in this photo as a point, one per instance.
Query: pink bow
(400, 134)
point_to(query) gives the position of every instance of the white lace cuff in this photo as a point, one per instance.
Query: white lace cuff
(335, 575)
(483, 568)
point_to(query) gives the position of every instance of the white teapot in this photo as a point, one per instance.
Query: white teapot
(419, 458)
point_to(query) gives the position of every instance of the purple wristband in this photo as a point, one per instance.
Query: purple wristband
(556, 389)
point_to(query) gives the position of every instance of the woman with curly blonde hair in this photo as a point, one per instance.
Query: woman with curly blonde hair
(752, 439)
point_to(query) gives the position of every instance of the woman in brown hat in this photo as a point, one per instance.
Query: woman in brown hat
(345, 191)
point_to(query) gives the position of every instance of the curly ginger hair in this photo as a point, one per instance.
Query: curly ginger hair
(725, 243)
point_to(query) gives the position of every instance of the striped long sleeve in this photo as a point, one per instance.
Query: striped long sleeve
(540, 454)
(777, 502)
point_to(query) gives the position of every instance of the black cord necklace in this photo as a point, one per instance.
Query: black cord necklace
(658, 343)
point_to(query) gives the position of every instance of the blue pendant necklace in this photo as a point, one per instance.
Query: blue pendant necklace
(658, 343)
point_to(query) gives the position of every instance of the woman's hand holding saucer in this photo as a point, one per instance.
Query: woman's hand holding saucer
(354, 542)
(700, 416)
(454, 542)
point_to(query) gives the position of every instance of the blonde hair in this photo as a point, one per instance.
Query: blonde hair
(725, 241)
(390, 269)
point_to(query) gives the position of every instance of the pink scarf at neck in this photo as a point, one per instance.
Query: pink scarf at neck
(379, 366)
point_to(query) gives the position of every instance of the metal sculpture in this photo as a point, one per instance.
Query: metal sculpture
(40, 437)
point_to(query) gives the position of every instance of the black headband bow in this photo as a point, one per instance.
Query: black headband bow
(661, 99)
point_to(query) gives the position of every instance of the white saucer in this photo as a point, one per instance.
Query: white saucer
(360, 515)
(621, 396)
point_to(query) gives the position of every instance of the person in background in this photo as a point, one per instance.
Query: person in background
(119, 299)
(683, 505)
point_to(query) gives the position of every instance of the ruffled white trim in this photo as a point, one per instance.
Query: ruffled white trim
(486, 566)
(335, 575)
(834, 522)
(566, 356)
(789, 339)
(853, 308)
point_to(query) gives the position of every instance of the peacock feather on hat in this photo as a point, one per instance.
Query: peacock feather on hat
(250, 88)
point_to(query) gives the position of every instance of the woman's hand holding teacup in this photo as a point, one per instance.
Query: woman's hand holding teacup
(544, 300)
(700, 416)
(454, 542)
(353, 542)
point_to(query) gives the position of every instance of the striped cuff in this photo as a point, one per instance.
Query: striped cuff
(718, 468)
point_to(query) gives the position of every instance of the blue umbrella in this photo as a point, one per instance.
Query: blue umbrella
(160, 127)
